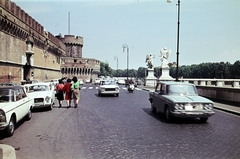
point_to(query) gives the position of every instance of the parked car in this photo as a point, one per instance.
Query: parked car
(97, 81)
(42, 93)
(15, 105)
(108, 87)
(178, 99)
(9, 84)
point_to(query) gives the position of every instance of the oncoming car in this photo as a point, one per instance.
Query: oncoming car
(108, 87)
(15, 105)
(178, 99)
(42, 93)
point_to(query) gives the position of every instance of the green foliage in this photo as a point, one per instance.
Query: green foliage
(219, 70)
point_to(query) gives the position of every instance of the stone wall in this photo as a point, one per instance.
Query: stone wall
(26, 50)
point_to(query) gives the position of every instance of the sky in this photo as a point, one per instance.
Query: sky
(209, 29)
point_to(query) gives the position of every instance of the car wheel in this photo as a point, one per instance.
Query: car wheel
(153, 109)
(29, 115)
(117, 94)
(11, 127)
(204, 120)
(168, 114)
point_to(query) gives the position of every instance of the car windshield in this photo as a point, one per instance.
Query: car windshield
(108, 83)
(182, 90)
(38, 88)
(6, 95)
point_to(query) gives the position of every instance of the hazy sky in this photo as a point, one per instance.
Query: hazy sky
(209, 29)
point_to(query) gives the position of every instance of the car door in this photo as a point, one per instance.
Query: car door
(22, 103)
(160, 99)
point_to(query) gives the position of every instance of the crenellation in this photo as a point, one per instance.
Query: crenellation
(13, 6)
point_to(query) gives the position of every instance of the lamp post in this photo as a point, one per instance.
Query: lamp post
(116, 58)
(178, 25)
(124, 46)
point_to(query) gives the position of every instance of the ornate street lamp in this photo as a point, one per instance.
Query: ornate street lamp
(178, 25)
(124, 46)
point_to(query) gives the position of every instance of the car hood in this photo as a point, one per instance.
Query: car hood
(40, 94)
(189, 99)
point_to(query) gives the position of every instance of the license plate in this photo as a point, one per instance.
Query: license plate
(188, 107)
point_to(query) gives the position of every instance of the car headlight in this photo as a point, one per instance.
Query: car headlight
(2, 116)
(208, 106)
(179, 106)
(47, 98)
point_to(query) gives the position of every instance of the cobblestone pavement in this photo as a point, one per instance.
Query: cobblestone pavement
(123, 127)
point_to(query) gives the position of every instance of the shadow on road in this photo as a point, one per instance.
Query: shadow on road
(160, 116)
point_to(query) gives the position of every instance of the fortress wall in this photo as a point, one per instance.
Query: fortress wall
(16, 29)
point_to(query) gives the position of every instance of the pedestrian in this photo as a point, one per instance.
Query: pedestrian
(68, 92)
(59, 91)
(75, 91)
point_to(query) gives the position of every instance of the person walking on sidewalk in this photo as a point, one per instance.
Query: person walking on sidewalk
(68, 92)
(59, 90)
(75, 90)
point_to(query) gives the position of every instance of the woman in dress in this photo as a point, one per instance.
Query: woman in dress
(59, 90)
(67, 90)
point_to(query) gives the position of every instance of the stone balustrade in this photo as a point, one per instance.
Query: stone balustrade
(213, 82)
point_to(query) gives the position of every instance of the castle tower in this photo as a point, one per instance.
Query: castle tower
(73, 45)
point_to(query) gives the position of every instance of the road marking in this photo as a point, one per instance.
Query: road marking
(8, 151)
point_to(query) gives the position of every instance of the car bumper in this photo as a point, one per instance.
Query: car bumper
(199, 114)
(109, 92)
(3, 125)
(41, 105)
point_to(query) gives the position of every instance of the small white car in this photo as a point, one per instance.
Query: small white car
(97, 81)
(15, 105)
(108, 87)
(80, 81)
(88, 80)
(42, 93)
(121, 82)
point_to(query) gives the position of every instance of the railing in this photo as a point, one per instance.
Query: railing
(214, 82)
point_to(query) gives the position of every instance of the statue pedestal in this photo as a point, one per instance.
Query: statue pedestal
(150, 80)
(165, 75)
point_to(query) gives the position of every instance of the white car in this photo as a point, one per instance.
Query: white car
(15, 105)
(108, 87)
(42, 93)
(88, 80)
(121, 81)
(97, 81)
(80, 81)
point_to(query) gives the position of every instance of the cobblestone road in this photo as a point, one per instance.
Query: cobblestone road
(123, 127)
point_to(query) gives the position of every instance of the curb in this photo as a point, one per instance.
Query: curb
(8, 152)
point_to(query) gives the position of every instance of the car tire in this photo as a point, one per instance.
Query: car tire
(204, 120)
(117, 94)
(11, 127)
(153, 109)
(168, 114)
(29, 115)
